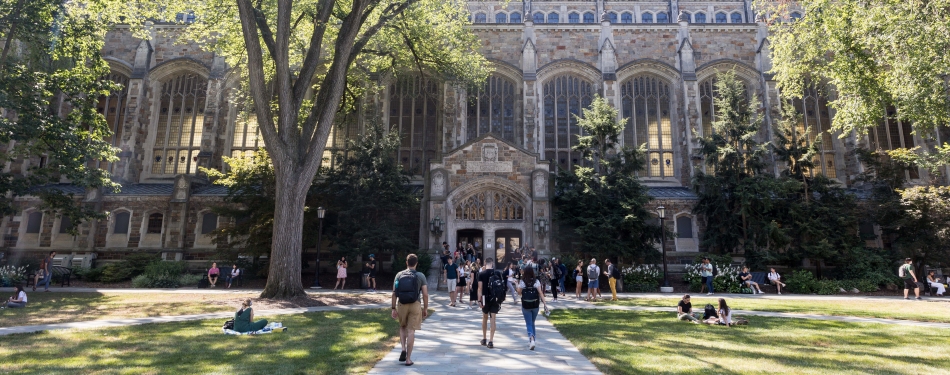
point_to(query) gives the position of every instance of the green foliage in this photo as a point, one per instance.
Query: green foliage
(50, 82)
(10, 275)
(368, 196)
(933, 161)
(923, 229)
(726, 281)
(89, 274)
(131, 265)
(642, 278)
(161, 274)
(115, 272)
(601, 205)
(425, 261)
(739, 192)
(874, 53)
(800, 281)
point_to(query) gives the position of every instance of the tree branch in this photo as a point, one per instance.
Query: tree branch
(312, 60)
(258, 86)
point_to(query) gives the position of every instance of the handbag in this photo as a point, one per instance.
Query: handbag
(229, 324)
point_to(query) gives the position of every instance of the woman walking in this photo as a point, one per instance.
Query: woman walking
(531, 298)
(340, 273)
(579, 278)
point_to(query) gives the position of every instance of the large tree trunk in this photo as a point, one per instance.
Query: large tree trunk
(283, 280)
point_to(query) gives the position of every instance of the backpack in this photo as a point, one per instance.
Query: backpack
(715, 270)
(709, 312)
(407, 289)
(592, 273)
(574, 274)
(902, 272)
(615, 273)
(557, 271)
(530, 298)
(497, 288)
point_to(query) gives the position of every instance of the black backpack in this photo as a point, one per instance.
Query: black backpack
(497, 288)
(229, 324)
(615, 273)
(408, 288)
(529, 297)
(715, 270)
(709, 312)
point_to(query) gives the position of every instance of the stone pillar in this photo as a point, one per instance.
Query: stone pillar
(529, 70)
(686, 62)
(136, 122)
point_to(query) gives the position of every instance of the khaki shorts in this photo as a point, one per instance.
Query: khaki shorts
(410, 315)
(452, 284)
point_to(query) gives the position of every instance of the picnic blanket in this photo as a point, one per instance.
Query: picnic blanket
(269, 329)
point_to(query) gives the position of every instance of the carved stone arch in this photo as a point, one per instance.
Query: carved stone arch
(657, 68)
(507, 70)
(744, 71)
(570, 66)
(114, 239)
(686, 244)
(178, 66)
(489, 185)
(119, 66)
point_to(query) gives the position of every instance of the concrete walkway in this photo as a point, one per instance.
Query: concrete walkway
(449, 343)
(177, 318)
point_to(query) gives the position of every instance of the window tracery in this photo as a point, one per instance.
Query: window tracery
(564, 97)
(646, 106)
(180, 124)
(489, 206)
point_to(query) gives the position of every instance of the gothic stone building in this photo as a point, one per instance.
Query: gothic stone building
(483, 157)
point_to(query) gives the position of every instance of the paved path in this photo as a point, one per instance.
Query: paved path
(177, 318)
(449, 343)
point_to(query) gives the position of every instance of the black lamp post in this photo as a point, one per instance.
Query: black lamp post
(661, 213)
(316, 275)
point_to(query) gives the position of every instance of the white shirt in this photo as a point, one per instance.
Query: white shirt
(537, 284)
(725, 318)
(22, 296)
(511, 276)
(774, 276)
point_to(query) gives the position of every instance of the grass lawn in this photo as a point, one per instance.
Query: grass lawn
(54, 307)
(348, 342)
(627, 342)
(928, 310)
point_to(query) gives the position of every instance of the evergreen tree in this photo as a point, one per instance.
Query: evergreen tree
(738, 196)
(603, 206)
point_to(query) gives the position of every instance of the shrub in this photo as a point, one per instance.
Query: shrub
(726, 280)
(141, 281)
(115, 272)
(189, 279)
(801, 282)
(10, 275)
(641, 278)
(136, 262)
(164, 274)
(826, 287)
(89, 274)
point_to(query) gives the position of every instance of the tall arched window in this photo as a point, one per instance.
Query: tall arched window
(246, 138)
(646, 106)
(646, 17)
(553, 17)
(501, 18)
(120, 224)
(515, 17)
(113, 108)
(700, 17)
(626, 17)
(564, 97)
(34, 222)
(180, 123)
(817, 120)
(491, 108)
(413, 112)
(481, 18)
(736, 17)
(588, 17)
(573, 18)
(892, 133)
(721, 18)
(539, 17)
(662, 17)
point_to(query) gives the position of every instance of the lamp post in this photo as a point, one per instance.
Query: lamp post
(661, 213)
(316, 275)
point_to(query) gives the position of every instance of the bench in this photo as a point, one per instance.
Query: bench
(63, 273)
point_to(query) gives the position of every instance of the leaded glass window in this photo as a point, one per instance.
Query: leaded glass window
(485, 206)
(612, 17)
(736, 17)
(553, 17)
(180, 124)
(892, 133)
(491, 108)
(573, 18)
(646, 17)
(815, 124)
(626, 17)
(112, 107)
(700, 17)
(501, 18)
(662, 17)
(481, 18)
(539, 17)
(246, 138)
(564, 97)
(721, 18)
(588, 17)
(515, 18)
(646, 106)
(413, 112)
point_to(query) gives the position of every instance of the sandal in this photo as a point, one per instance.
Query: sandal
(410, 363)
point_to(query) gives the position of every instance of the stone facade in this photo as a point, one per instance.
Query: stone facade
(654, 61)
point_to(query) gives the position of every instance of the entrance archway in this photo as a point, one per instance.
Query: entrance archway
(506, 240)
(475, 237)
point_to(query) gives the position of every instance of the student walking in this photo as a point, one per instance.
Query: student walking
(613, 273)
(473, 284)
(556, 276)
(451, 275)
(579, 278)
(48, 261)
(406, 308)
(489, 283)
(513, 274)
(531, 298)
(706, 271)
(906, 272)
(560, 281)
(593, 280)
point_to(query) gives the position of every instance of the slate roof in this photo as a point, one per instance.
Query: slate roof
(211, 190)
(65, 188)
(672, 193)
(144, 189)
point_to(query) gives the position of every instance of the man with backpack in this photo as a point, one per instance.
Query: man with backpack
(492, 289)
(613, 273)
(906, 272)
(406, 307)
(593, 282)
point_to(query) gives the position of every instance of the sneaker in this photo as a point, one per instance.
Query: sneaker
(780, 293)
(490, 345)
(484, 342)
(906, 298)
(531, 344)
(918, 298)
(708, 294)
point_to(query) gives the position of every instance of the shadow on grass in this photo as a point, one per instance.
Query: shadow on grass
(316, 343)
(625, 342)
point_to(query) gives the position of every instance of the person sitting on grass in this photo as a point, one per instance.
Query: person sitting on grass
(935, 283)
(725, 314)
(746, 278)
(18, 299)
(684, 310)
(776, 279)
(245, 316)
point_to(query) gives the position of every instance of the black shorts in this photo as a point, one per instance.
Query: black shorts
(461, 282)
(372, 276)
(491, 308)
(473, 295)
(910, 284)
